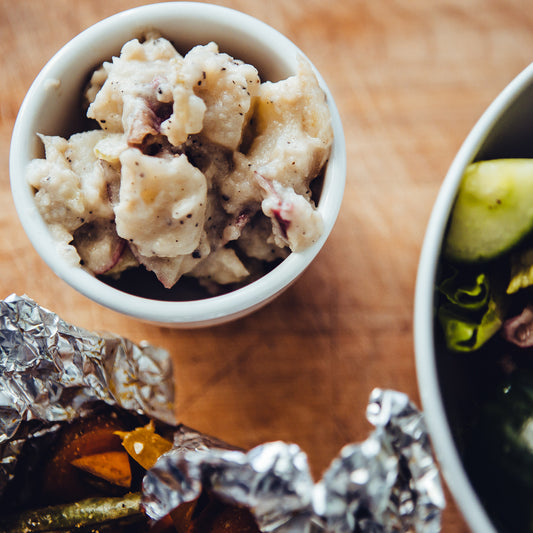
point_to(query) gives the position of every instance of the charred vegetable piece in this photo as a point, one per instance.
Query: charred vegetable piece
(464, 334)
(112, 466)
(144, 444)
(210, 514)
(62, 481)
(493, 210)
(75, 516)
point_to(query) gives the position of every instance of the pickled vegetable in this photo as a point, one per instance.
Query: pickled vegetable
(521, 271)
(466, 335)
(493, 210)
(209, 514)
(62, 481)
(469, 312)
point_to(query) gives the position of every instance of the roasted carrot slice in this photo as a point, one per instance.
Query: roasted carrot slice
(62, 482)
(112, 466)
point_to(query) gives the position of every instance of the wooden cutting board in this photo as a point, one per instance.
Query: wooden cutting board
(410, 78)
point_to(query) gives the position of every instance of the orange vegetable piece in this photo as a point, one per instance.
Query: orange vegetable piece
(144, 444)
(112, 466)
(62, 482)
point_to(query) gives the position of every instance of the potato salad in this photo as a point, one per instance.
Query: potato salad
(195, 166)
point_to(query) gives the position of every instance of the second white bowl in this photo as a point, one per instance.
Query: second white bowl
(53, 99)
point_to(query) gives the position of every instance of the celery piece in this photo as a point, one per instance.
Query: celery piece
(469, 311)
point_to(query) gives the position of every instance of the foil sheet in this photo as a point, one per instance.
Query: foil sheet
(387, 483)
(53, 372)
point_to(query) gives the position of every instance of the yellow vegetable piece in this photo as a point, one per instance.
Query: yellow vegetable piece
(144, 444)
(112, 466)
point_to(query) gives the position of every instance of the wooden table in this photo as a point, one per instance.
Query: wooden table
(410, 78)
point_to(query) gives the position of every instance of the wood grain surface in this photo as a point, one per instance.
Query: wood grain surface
(410, 78)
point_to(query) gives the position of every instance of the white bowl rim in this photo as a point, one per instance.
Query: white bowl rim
(209, 311)
(428, 382)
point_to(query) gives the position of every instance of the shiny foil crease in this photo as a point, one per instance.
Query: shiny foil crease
(53, 372)
(388, 483)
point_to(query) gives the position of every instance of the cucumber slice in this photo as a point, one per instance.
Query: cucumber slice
(493, 210)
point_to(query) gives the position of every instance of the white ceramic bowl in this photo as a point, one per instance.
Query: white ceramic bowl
(504, 130)
(47, 108)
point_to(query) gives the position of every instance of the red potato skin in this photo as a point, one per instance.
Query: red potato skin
(114, 259)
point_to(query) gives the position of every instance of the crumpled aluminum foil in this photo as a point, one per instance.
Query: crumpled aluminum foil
(388, 483)
(52, 372)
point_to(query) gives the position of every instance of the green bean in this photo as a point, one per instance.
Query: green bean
(77, 515)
